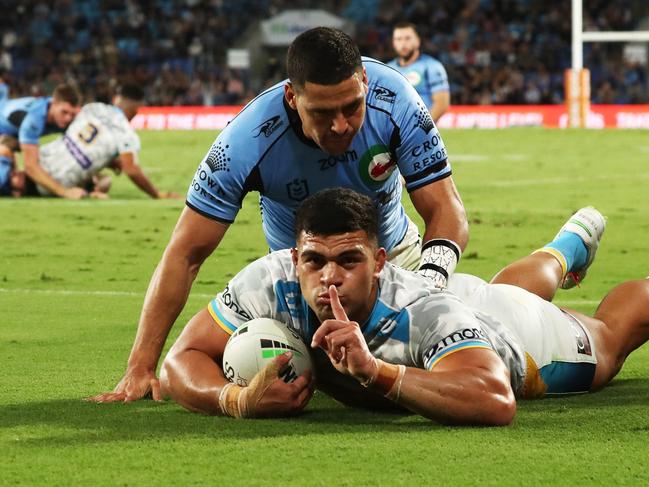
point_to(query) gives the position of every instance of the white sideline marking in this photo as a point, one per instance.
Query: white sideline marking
(71, 292)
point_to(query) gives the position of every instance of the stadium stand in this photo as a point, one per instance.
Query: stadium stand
(495, 51)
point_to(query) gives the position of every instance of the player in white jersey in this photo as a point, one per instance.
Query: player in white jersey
(100, 137)
(384, 334)
(339, 120)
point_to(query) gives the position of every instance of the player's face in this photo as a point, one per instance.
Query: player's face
(331, 114)
(349, 261)
(62, 113)
(405, 42)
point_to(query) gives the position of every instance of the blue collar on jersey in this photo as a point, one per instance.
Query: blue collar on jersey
(296, 124)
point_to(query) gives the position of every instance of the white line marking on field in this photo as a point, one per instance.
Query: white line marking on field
(72, 292)
(468, 158)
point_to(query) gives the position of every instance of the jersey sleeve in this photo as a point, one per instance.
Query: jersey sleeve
(223, 177)
(437, 77)
(421, 153)
(247, 296)
(33, 125)
(126, 138)
(454, 328)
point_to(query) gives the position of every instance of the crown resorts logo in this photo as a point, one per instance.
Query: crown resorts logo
(376, 165)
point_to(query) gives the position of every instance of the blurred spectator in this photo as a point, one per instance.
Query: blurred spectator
(495, 51)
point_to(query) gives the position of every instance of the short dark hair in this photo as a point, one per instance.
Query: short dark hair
(337, 210)
(67, 93)
(322, 55)
(405, 25)
(132, 92)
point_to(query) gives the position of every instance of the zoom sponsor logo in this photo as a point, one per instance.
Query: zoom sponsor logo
(333, 161)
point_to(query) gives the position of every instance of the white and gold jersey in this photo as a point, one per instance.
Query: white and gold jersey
(97, 135)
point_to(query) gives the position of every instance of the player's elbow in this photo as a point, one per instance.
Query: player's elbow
(498, 404)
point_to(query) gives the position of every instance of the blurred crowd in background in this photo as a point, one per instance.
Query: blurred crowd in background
(495, 51)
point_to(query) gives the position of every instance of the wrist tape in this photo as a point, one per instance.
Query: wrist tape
(439, 257)
(387, 380)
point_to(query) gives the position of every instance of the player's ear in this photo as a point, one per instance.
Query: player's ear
(289, 94)
(380, 256)
(294, 256)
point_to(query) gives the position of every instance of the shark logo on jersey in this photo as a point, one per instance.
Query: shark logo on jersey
(298, 189)
(269, 126)
(376, 165)
(217, 158)
(384, 94)
(424, 121)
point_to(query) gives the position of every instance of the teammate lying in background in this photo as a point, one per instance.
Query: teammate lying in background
(23, 121)
(100, 137)
(385, 337)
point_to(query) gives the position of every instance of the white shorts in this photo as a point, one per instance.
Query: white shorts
(560, 351)
(407, 253)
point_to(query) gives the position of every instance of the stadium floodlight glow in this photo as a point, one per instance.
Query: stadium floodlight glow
(577, 79)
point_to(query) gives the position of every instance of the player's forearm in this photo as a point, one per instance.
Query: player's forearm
(142, 181)
(193, 380)
(448, 221)
(441, 102)
(36, 173)
(475, 396)
(164, 300)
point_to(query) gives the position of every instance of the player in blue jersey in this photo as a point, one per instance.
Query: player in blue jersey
(339, 120)
(424, 72)
(28, 119)
(383, 336)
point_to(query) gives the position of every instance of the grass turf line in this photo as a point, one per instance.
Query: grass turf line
(518, 186)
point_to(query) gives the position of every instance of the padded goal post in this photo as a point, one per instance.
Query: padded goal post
(577, 79)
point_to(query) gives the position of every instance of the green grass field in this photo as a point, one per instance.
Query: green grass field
(73, 276)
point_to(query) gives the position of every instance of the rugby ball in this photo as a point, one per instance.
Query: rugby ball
(259, 341)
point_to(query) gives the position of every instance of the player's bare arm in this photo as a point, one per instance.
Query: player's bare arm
(192, 375)
(193, 240)
(468, 387)
(441, 102)
(127, 162)
(440, 206)
(37, 174)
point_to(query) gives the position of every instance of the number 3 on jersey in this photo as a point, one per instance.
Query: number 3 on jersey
(88, 133)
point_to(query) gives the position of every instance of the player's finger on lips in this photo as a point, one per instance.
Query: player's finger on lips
(336, 307)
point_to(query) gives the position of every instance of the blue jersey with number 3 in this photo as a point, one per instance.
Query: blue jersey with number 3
(264, 149)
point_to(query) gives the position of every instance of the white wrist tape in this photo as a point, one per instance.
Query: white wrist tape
(438, 260)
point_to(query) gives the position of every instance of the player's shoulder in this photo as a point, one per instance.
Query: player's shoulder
(264, 273)
(403, 287)
(389, 92)
(255, 129)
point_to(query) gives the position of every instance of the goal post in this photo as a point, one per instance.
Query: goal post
(577, 79)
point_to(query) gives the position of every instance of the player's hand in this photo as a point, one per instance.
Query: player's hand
(74, 193)
(98, 195)
(268, 395)
(136, 383)
(168, 195)
(344, 343)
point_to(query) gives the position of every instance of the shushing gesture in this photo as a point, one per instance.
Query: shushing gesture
(344, 343)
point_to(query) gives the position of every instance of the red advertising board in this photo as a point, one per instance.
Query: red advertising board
(459, 116)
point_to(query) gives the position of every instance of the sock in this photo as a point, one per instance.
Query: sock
(569, 249)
